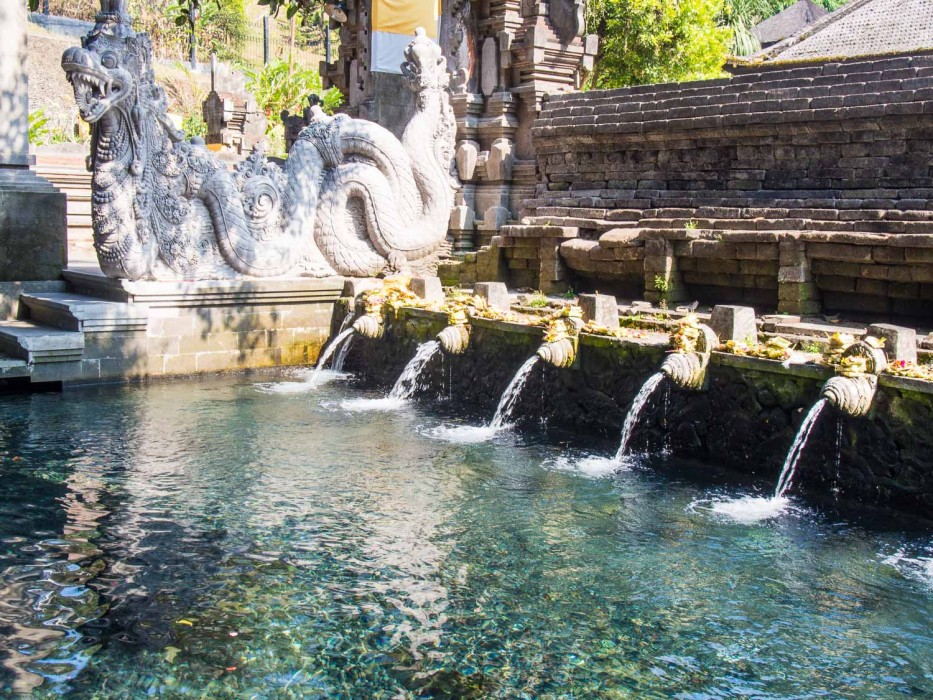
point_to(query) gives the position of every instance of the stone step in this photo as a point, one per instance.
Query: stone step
(37, 344)
(13, 367)
(75, 312)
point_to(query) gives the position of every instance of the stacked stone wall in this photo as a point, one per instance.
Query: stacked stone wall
(800, 189)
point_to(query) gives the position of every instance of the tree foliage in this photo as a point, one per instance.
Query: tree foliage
(656, 41)
(220, 25)
(278, 88)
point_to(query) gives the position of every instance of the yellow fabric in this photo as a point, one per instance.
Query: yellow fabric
(404, 16)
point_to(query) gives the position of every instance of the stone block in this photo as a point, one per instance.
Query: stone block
(734, 323)
(794, 274)
(466, 157)
(900, 343)
(495, 294)
(462, 218)
(428, 288)
(32, 228)
(354, 286)
(601, 309)
(495, 218)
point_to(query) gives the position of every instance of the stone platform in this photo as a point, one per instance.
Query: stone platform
(92, 328)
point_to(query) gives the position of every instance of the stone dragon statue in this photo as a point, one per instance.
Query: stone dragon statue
(351, 199)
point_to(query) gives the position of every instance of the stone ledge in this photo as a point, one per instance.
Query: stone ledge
(535, 332)
(804, 371)
(654, 340)
(40, 344)
(893, 381)
(254, 292)
(74, 312)
(12, 367)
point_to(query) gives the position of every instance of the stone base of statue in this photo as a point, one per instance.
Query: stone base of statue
(94, 328)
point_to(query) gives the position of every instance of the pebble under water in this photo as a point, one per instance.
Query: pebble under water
(217, 539)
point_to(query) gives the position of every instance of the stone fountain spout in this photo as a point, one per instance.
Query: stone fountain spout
(455, 338)
(371, 324)
(687, 365)
(560, 341)
(853, 388)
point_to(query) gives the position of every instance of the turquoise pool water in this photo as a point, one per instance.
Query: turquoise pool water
(217, 540)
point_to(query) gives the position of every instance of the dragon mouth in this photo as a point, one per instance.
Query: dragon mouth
(96, 88)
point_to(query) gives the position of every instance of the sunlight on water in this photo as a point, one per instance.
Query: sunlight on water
(462, 434)
(743, 509)
(201, 539)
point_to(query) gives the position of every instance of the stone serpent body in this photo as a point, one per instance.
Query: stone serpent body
(351, 199)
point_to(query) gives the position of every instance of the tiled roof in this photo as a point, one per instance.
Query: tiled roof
(788, 22)
(861, 28)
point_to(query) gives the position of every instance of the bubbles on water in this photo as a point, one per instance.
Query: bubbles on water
(593, 466)
(386, 403)
(746, 510)
(300, 387)
(917, 567)
(462, 434)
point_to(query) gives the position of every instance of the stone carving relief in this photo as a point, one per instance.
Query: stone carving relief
(351, 199)
(458, 37)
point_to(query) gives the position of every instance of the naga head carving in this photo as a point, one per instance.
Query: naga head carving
(425, 67)
(111, 69)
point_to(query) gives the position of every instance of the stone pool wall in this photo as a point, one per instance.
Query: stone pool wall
(746, 420)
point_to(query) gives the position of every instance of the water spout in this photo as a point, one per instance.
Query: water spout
(694, 343)
(511, 394)
(560, 342)
(853, 388)
(370, 325)
(631, 420)
(455, 338)
(408, 381)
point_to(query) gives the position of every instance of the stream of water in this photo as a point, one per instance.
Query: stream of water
(405, 386)
(638, 404)
(510, 396)
(800, 442)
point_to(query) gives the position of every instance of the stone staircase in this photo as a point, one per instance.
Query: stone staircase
(68, 173)
(92, 328)
(59, 335)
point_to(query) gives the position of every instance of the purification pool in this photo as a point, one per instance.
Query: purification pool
(230, 538)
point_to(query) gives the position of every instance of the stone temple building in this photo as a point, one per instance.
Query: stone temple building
(802, 184)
